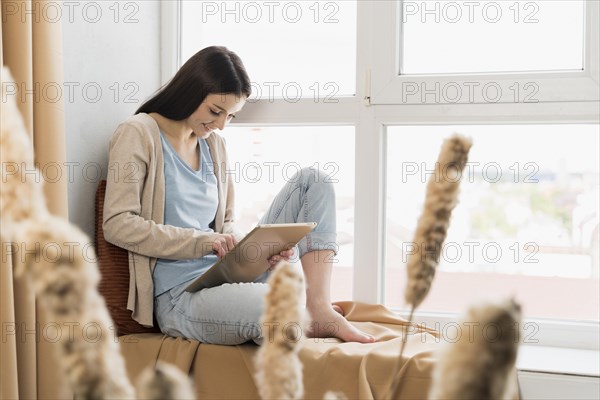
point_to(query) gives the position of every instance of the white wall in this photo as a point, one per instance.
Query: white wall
(106, 55)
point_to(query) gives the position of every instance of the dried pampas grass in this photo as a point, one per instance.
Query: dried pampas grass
(279, 370)
(56, 258)
(163, 382)
(334, 396)
(21, 196)
(480, 364)
(64, 277)
(65, 281)
(440, 200)
(432, 227)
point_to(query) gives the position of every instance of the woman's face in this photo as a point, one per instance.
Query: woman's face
(214, 113)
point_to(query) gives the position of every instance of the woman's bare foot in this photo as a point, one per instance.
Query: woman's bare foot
(328, 322)
(326, 319)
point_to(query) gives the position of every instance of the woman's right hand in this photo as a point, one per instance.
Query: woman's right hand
(223, 244)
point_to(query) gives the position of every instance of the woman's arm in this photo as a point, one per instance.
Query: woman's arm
(131, 160)
(229, 223)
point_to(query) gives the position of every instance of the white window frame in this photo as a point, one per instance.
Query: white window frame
(377, 105)
(388, 87)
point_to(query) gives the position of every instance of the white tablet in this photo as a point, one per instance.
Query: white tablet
(249, 258)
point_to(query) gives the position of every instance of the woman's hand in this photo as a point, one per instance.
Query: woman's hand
(223, 244)
(284, 255)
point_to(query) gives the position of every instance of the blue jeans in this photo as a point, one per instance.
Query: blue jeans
(230, 314)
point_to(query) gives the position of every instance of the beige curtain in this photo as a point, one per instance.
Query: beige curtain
(31, 47)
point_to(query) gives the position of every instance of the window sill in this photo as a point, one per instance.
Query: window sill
(536, 333)
(554, 373)
(557, 360)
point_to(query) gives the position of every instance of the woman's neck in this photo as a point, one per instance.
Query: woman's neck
(177, 130)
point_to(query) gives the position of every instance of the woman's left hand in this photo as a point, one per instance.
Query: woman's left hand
(284, 255)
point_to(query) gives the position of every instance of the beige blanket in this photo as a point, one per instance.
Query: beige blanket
(360, 371)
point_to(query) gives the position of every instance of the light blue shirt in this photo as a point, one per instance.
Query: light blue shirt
(191, 201)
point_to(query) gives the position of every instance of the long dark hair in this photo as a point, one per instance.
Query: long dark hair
(214, 69)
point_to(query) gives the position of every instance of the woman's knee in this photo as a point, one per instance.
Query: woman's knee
(314, 177)
(227, 315)
(238, 302)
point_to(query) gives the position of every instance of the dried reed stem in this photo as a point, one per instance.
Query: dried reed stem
(480, 363)
(441, 198)
(63, 276)
(279, 370)
(21, 197)
(334, 396)
(164, 381)
(65, 283)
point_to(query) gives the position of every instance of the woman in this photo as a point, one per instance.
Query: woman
(169, 201)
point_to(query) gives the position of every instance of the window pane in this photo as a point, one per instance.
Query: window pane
(487, 36)
(526, 223)
(262, 160)
(291, 49)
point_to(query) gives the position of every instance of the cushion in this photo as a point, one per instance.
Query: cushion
(359, 371)
(113, 263)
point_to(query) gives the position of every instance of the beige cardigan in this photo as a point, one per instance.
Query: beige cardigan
(134, 208)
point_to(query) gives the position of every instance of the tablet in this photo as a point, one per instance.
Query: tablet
(249, 258)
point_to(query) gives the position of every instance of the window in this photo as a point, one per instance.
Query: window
(527, 221)
(291, 49)
(437, 37)
(528, 87)
(301, 58)
(426, 54)
(264, 159)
